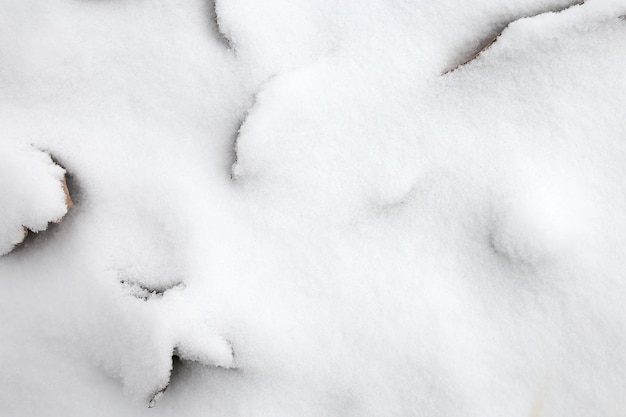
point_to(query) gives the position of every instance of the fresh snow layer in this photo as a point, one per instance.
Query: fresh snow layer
(31, 190)
(314, 207)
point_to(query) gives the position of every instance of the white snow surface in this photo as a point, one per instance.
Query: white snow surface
(31, 194)
(302, 202)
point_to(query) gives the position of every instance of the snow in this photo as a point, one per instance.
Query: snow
(312, 212)
(32, 194)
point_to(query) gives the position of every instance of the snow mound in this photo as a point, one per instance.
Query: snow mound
(32, 194)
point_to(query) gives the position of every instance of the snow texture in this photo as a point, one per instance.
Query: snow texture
(31, 194)
(314, 208)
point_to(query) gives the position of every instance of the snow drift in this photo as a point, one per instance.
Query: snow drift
(297, 209)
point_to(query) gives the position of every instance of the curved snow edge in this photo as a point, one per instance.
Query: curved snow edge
(34, 193)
